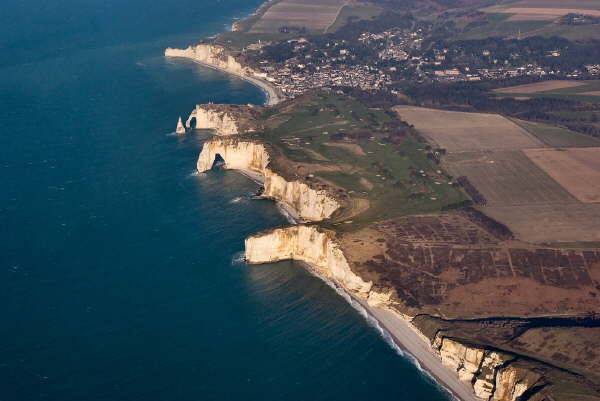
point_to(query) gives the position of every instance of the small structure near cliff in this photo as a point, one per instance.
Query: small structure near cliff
(180, 128)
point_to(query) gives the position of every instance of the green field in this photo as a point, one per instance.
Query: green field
(557, 136)
(499, 26)
(354, 12)
(349, 145)
(239, 40)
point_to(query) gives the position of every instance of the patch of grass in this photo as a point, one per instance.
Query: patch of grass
(239, 40)
(499, 25)
(354, 13)
(551, 94)
(391, 169)
(582, 244)
(571, 32)
(557, 136)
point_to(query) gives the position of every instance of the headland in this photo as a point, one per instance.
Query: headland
(385, 210)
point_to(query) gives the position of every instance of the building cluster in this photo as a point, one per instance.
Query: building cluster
(395, 44)
(395, 54)
(465, 74)
(293, 81)
(317, 68)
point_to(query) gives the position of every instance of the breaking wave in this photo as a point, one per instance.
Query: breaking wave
(286, 214)
(387, 337)
(238, 258)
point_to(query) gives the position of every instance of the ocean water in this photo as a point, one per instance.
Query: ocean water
(120, 271)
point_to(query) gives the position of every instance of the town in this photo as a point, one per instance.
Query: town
(377, 60)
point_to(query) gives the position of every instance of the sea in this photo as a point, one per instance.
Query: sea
(121, 268)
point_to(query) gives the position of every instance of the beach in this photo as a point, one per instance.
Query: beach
(406, 337)
(272, 95)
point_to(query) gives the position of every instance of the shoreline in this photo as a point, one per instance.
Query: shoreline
(409, 341)
(272, 97)
(394, 328)
(287, 211)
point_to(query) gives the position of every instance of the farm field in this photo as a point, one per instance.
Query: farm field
(507, 178)
(500, 25)
(459, 131)
(546, 9)
(587, 91)
(577, 170)
(539, 87)
(550, 223)
(536, 17)
(314, 15)
(538, 192)
(558, 137)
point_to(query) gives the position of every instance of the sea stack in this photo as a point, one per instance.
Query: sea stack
(180, 128)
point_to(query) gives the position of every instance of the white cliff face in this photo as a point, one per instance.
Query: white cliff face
(238, 155)
(209, 54)
(460, 358)
(512, 381)
(494, 375)
(486, 380)
(309, 204)
(307, 244)
(223, 123)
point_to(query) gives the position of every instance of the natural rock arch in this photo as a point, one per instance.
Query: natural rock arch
(218, 162)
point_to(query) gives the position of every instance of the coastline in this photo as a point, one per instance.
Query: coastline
(408, 340)
(287, 211)
(272, 97)
(394, 328)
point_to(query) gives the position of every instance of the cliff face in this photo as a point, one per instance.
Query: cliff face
(207, 118)
(226, 119)
(238, 155)
(495, 376)
(307, 244)
(309, 204)
(209, 54)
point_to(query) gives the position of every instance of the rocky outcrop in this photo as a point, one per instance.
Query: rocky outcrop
(180, 128)
(208, 118)
(514, 380)
(213, 55)
(225, 119)
(495, 376)
(464, 360)
(307, 244)
(308, 204)
(238, 155)
(485, 383)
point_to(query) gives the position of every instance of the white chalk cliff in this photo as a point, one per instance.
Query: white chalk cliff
(494, 375)
(207, 118)
(307, 244)
(212, 55)
(308, 203)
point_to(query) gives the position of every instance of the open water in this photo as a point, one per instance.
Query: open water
(120, 276)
